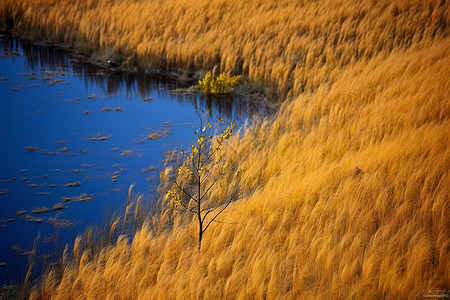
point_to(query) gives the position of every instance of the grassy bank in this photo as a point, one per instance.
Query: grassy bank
(350, 181)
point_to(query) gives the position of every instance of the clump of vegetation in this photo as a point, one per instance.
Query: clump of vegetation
(219, 85)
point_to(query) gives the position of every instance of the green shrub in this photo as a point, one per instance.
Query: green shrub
(221, 84)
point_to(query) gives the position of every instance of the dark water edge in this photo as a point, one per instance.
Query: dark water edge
(251, 102)
(140, 96)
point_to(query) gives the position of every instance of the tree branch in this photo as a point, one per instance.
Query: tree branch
(186, 209)
(182, 189)
(212, 153)
(209, 188)
(232, 199)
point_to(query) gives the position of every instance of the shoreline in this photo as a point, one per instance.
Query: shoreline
(252, 91)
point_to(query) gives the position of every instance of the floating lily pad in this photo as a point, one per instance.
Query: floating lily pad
(52, 73)
(126, 153)
(39, 210)
(151, 168)
(59, 222)
(56, 81)
(31, 148)
(15, 89)
(59, 207)
(99, 137)
(38, 185)
(154, 136)
(74, 100)
(6, 220)
(82, 197)
(167, 123)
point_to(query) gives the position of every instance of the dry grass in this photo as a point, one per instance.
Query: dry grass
(350, 180)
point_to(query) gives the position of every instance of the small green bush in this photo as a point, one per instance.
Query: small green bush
(221, 84)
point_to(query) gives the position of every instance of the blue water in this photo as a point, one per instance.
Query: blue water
(36, 113)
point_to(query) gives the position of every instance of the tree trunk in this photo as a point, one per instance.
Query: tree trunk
(200, 233)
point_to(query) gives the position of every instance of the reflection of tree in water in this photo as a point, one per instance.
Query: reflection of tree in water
(46, 58)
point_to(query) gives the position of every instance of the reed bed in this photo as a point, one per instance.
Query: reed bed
(349, 183)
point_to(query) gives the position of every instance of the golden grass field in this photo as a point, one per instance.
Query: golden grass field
(349, 184)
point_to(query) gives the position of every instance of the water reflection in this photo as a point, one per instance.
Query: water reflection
(41, 58)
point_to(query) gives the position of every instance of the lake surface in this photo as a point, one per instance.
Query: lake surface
(70, 129)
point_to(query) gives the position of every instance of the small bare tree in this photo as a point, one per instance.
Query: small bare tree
(203, 170)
